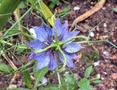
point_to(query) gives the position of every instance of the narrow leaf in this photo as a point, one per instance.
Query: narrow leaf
(84, 84)
(5, 68)
(27, 79)
(88, 71)
(45, 11)
(11, 33)
(39, 75)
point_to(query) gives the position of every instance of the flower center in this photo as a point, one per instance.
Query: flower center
(57, 44)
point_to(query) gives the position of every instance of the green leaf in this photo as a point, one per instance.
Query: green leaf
(5, 68)
(22, 5)
(27, 79)
(53, 3)
(23, 46)
(97, 81)
(45, 11)
(88, 71)
(11, 33)
(84, 84)
(68, 82)
(21, 49)
(39, 75)
(19, 89)
(94, 56)
(114, 9)
(64, 12)
(71, 82)
(50, 87)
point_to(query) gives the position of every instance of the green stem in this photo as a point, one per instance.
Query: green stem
(6, 9)
(97, 41)
(26, 65)
(115, 46)
(77, 37)
(40, 51)
(5, 42)
(65, 59)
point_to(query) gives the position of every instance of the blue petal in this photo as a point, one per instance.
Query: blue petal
(59, 28)
(43, 60)
(31, 55)
(69, 35)
(36, 44)
(42, 32)
(65, 26)
(69, 58)
(72, 47)
(58, 25)
(53, 63)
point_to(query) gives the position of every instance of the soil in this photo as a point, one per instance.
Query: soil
(103, 24)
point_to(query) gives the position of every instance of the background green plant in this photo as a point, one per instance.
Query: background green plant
(6, 9)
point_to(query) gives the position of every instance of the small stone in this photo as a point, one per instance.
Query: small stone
(92, 3)
(102, 78)
(105, 73)
(104, 8)
(91, 34)
(106, 53)
(76, 8)
(96, 63)
(105, 25)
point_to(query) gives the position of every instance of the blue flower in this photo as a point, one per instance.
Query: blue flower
(52, 42)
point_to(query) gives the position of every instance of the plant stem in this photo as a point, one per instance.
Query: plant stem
(77, 37)
(5, 42)
(59, 79)
(40, 51)
(65, 60)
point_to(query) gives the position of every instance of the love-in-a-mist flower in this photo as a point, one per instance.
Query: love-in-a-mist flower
(52, 44)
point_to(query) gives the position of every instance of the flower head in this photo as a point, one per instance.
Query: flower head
(51, 44)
